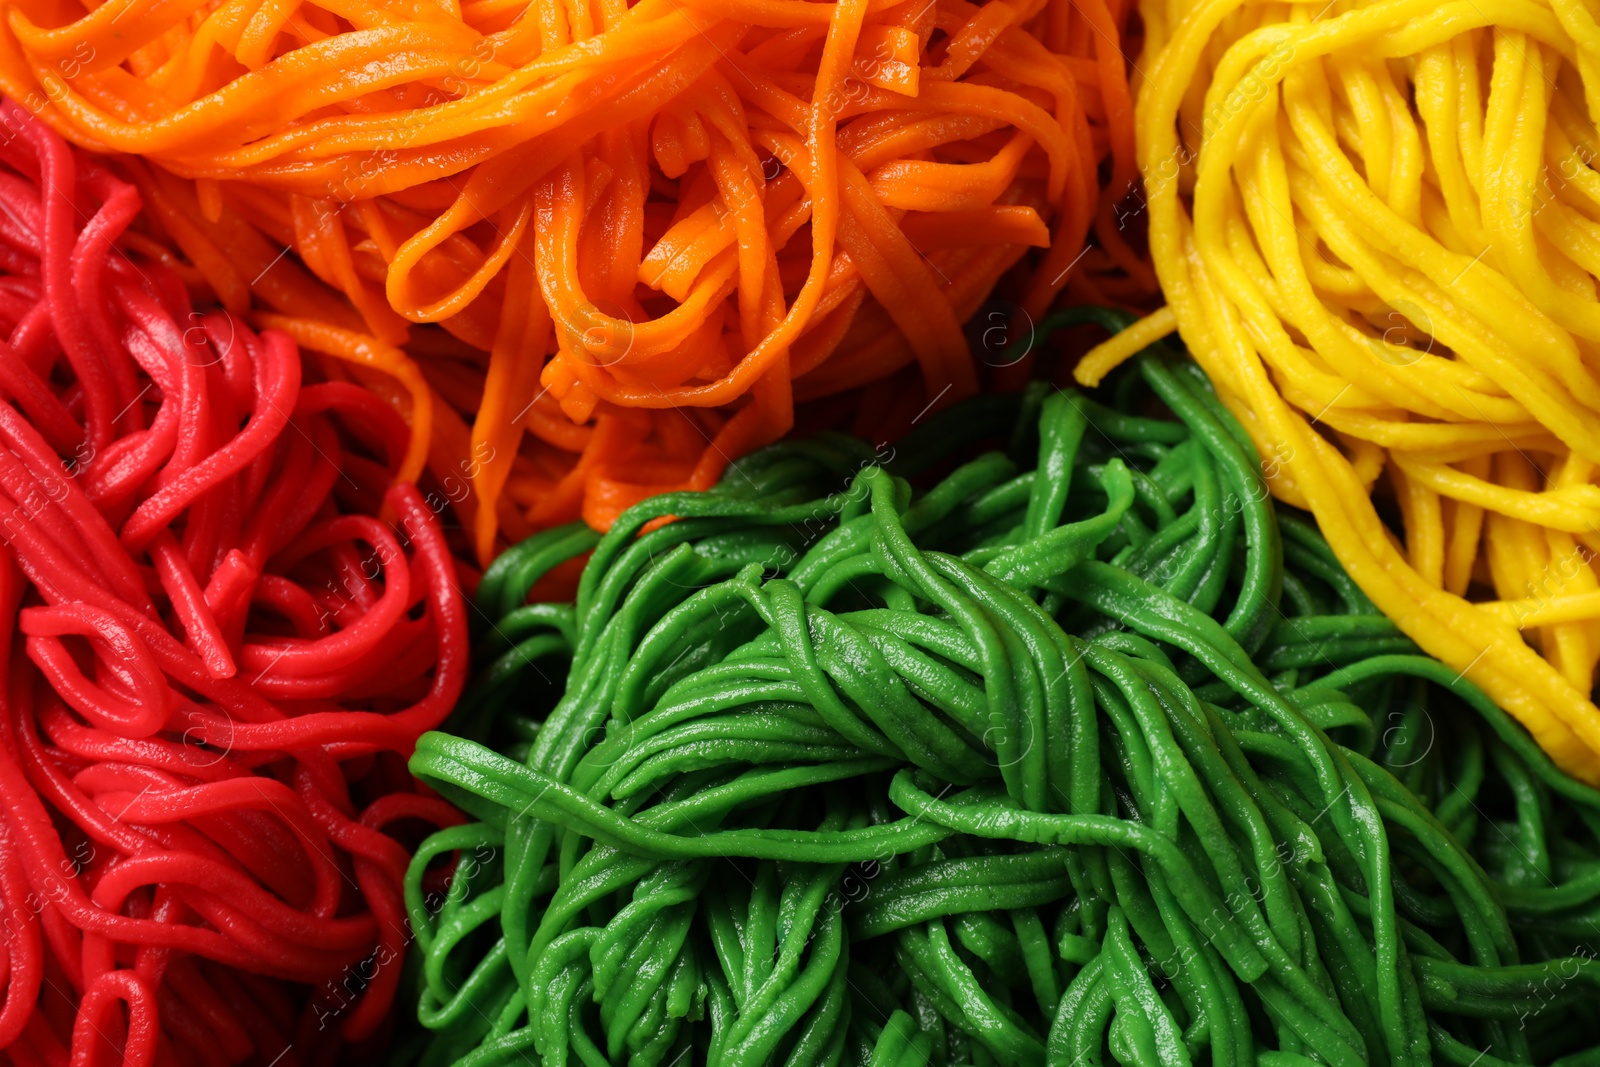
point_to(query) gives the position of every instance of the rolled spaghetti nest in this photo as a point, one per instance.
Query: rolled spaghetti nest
(1377, 226)
(1088, 745)
(700, 208)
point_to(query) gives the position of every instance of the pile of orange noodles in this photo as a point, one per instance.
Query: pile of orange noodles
(644, 232)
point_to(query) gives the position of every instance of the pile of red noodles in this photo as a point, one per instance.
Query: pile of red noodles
(223, 633)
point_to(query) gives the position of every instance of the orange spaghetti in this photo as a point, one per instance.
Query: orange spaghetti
(643, 231)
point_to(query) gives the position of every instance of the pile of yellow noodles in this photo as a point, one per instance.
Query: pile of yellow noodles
(632, 235)
(1377, 226)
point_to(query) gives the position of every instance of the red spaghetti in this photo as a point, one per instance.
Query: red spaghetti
(216, 658)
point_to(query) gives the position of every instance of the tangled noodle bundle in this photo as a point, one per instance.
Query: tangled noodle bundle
(1377, 226)
(1084, 751)
(699, 210)
(217, 658)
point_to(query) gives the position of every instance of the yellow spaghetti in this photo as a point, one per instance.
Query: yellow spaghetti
(1377, 226)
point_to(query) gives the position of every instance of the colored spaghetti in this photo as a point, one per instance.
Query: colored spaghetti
(645, 230)
(1375, 225)
(216, 658)
(1085, 753)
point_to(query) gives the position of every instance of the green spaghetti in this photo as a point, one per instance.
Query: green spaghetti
(1083, 753)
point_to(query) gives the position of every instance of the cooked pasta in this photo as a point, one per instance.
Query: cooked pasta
(1377, 226)
(1088, 753)
(701, 210)
(217, 655)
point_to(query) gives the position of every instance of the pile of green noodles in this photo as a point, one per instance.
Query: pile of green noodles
(1080, 753)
